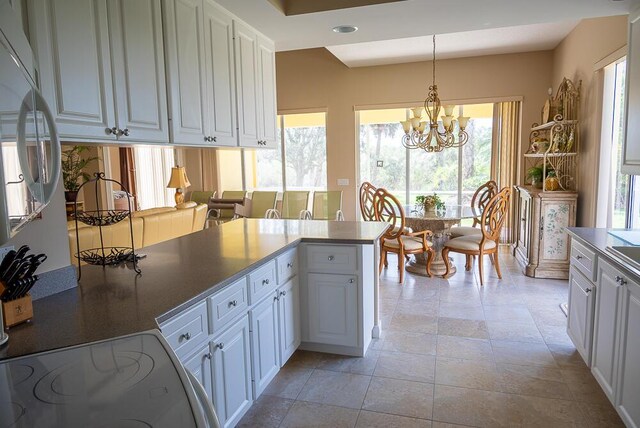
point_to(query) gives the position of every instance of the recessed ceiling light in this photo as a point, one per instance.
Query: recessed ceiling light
(345, 29)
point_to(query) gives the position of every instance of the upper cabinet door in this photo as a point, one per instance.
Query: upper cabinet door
(246, 84)
(71, 41)
(183, 22)
(631, 149)
(267, 95)
(137, 58)
(218, 32)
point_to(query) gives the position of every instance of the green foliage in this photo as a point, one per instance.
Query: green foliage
(73, 164)
(534, 174)
(430, 200)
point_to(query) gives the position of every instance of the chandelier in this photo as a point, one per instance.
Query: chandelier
(428, 134)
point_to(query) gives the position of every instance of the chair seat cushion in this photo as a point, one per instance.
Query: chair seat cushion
(469, 242)
(464, 231)
(411, 243)
(406, 229)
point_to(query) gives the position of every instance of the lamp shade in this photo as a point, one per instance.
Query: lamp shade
(178, 178)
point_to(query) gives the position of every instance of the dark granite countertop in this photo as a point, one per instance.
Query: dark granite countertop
(113, 301)
(599, 239)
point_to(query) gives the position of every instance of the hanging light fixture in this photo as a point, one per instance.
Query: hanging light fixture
(427, 134)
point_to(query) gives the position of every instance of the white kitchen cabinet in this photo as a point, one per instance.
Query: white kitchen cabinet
(221, 99)
(71, 41)
(289, 319)
(267, 112)
(255, 83)
(102, 68)
(631, 142)
(231, 365)
(628, 396)
(186, 75)
(606, 329)
(580, 317)
(199, 364)
(265, 340)
(333, 309)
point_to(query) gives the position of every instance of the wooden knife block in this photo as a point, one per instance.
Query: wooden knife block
(16, 311)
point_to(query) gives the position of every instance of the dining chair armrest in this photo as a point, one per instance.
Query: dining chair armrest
(339, 215)
(305, 215)
(424, 234)
(272, 213)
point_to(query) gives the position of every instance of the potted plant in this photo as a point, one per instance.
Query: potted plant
(73, 174)
(430, 202)
(534, 176)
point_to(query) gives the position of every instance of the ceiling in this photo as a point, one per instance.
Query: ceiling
(412, 19)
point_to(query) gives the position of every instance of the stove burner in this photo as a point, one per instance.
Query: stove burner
(20, 373)
(72, 383)
(10, 412)
(127, 423)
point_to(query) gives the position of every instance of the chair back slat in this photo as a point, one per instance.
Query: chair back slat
(494, 215)
(481, 198)
(388, 208)
(367, 210)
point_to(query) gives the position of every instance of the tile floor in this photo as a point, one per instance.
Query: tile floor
(452, 354)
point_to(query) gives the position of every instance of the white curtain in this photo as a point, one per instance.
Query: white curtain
(16, 193)
(153, 169)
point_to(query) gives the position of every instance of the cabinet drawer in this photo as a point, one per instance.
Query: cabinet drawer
(225, 305)
(287, 266)
(262, 281)
(332, 258)
(584, 260)
(188, 330)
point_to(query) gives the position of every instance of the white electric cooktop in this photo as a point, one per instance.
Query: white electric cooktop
(128, 382)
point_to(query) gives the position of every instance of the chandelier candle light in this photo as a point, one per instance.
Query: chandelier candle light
(427, 134)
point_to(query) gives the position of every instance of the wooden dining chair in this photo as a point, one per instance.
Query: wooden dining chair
(396, 239)
(481, 198)
(366, 201)
(491, 221)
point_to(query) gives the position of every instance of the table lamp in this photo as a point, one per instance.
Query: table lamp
(178, 181)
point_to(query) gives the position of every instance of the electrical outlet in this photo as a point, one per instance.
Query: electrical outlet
(5, 250)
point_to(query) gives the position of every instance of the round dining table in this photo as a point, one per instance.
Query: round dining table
(439, 222)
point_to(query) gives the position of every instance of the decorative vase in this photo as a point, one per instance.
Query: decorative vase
(429, 208)
(551, 183)
(70, 196)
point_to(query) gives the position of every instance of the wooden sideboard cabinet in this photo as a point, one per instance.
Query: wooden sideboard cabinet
(542, 245)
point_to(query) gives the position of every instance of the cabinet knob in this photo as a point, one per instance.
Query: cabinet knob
(523, 219)
(579, 257)
(111, 131)
(351, 281)
(208, 355)
(283, 293)
(233, 303)
(587, 290)
(289, 265)
(276, 298)
(207, 138)
(619, 279)
(125, 132)
(219, 345)
(214, 139)
(265, 281)
(186, 336)
(330, 258)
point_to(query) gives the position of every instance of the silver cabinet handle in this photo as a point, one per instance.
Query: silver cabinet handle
(330, 258)
(208, 355)
(283, 293)
(587, 290)
(233, 303)
(207, 138)
(619, 279)
(289, 265)
(125, 132)
(219, 345)
(351, 281)
(276, 298)
(110, 131)
(214, 139)
(185, 336)
(579, 257)
(265, 282)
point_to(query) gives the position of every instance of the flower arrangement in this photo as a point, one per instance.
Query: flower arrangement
(430, 202)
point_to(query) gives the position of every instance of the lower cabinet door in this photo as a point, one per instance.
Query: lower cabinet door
(628, 402)
(264, 338)
(232, 373)
(333, 309)
(580, 318)
(289, 317)
(199, 364)
(605, 331)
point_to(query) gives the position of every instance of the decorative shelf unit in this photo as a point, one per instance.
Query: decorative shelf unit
(104, 255)
(554, 145)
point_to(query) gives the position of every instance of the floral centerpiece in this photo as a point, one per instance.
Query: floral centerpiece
(430, 202)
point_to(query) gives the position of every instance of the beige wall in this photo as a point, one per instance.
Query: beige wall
(314, 78)
(576, 58)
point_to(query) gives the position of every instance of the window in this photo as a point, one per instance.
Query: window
(153, 169)
(621, 190)
(454, 174)
(302, 146)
